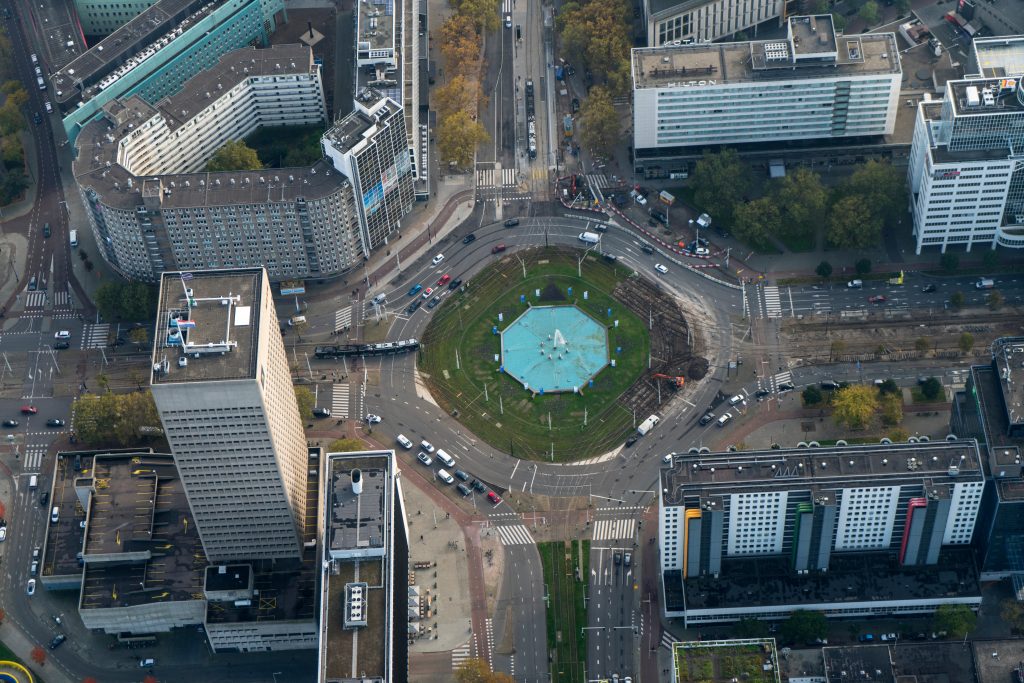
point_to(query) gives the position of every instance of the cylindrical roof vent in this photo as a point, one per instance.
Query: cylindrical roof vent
(357, 481)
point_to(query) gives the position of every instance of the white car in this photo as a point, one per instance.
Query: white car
(428, 292)
(424, 458)
(3, 534)
(31, 587)
(660, 268)
(62, 334)
(702, 251)
(373, 419)
(427, 446)
(437, 260)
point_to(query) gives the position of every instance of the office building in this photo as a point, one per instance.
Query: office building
(139, 170)
(991, 409)
(222, 386)
(369, 147)
(813, 85)
(848, 530)
(965, 174)
(368, 610)
(99, 18)
(157, 52)
(680, 22)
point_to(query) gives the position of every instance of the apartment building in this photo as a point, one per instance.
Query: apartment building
(139, 170)
(814, 85)
(824, 526)
(222, 386)
(157, 52)
(966, 178)
(675, 22)
(100, 18)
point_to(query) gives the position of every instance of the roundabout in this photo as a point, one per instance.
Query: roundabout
(549, 349)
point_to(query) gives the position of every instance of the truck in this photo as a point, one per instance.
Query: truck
(590, 237)
(985, 283)
(647, 425)
(896, 279)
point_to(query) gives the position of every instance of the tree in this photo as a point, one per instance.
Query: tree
(852, 225)
(824, 269)
(109, 419)
(455, 95)
(854, 406)
(138, 335)
(457, 138)
(802, 200)
(755, 222)
(869, 12)
(460, 47)
(596, 34)
(820, 7)
(127, 301)
(306, 402)
(346, 446)
(931, 388)
(483, 12)
(838, 21)
(862, 266)
(949, 262)
(477, 671)
(902, 6)
(748, 627)
(892, 409)
(957, 299)
(837, 348)
(812, 395)
(881, 188)
(994, 301)
(956, 620)
(601, 127)
(720, 181)
(922, 344)
(234, 155)
(966, 342)
(1012, 613)
(39, 655)
(889, 386)
(804, 626)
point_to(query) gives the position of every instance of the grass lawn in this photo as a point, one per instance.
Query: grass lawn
(459, 346)
(566, 613)
(286, 146)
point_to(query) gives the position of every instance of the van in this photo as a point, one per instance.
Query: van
(704, 221)
(725, 418)
(54, 515)
(647, 425)
(143, 663)
(445, 477)
(855, 284)
(73, 236)
(35, 59)
(33, 482)
(448, 460)
(406, 444)
(40, 82)
(297, 320)
(589, 237)
(985, 283)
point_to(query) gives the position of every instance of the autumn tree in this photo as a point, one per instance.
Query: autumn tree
(802, 201)
(601, 127)
(457, 94)
(755, 222)
(138, 335)
(1012, 613)
(957, 299)
(460, 47)
(483, 13)
(922, 344)
(854, 406)
(109, 419)
(994, 301)
(853, 225)
(892, 409)
(39, 655)
(234, 155)
(966, 342)
(595, 35)
(306, 402)
(477, 671)
(720, 181)
(457, 138)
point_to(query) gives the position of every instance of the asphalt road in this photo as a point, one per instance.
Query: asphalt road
(612, 614)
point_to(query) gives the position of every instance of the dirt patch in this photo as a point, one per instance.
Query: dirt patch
(551, 292)
(697, 368)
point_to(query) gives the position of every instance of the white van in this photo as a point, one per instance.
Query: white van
(40, 82)
(725, 418)
(445, 477)
(297, 320)
(445, 458)
(33, 482)
(54, 515)
(590, 237)
(406, 444)
(73, 235)
(143, 663)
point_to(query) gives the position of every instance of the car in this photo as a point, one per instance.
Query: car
(428, 292)
(511, 222)
(46, 230)
(647, 249)
(464, 490)
(660, 268)
(56, 618)
(57, 640)
(498, 248)
(736, 399)
(372, 419)
(631, 440)
(461, 476)
(32, 286)
(627, 559)
(424, 458)
(493, 497)
(10, 424)
(866, 638)
(784, 387)
(928, 289)
(855, 284)
(761, 393)
(889, 637)
(427, 446)
(468, 239)
(37, 118)
(29, 410)
(434, 302)
(436, 261)
(64, 344)
(877, 299)
(695, 248)
(575, 104)
(322, 412)
(30, 588)
(3, 534)
(55, 422)
(829, 385)
(143, 663)
(445, 279)
(48, 107)
(454, 284)
(62, 334)
(641, 200)
(415, 289)
(44, 498)
(706, 418)
(413, 306)
(478, 486)
(618, 557)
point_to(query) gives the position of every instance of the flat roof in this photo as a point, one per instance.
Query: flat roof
(357, 654)
(376, 24)
(999, 56)
(754, 660)
(968, 96)
(1008, 356)
(221, 325)
(860, 576)
(358, 125)
(938, 662)
(822, 468)
(285, 590)
(857, 664)
(1004, 451)
(358, 522)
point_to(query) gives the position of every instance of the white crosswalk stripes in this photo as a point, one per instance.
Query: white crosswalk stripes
(613, 529)
(772, 303)
(781, 378)
(490, 642)
(342, 318)
(463, 652)
(667, 639)
(496, 177)
(34, 458)
(62, 298)
(515, 535)
(339, 400)
(35, 299)
(95, 336)
(599, 180)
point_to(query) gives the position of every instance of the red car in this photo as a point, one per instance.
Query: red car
(498, 249)
(29, 410)
(444, 280)
(493, 497)
(877, 299)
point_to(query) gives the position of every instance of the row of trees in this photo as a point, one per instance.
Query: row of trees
(13, 179)
(460, 98)
(854, 406)
(793, 207)
(126, 301)
(595, 35)
(115, 420)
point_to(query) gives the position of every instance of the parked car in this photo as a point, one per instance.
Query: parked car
(478, 486)
(631, 440)
(3, 534)
(708, 417)
(461, 476)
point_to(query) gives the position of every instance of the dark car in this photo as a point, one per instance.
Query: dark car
(454, 284)
(708, 417)
(37, 117)
(784, 387)
(321, 412)
(761, 393)
(57, 640)
(62, 345)
(469, 238)
(631, 440)
(461, 476)
(928, 289)
(46, 230)
(54, 422)
(434, 302)
(412, 307)
(829, 385)
(647, 249)
(511, 222)
(575, 104)
(478, 485)
(10, 424)
(44, 498)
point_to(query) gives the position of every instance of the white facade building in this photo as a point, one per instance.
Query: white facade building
(813, 85)
(671, 22)
(966, 174)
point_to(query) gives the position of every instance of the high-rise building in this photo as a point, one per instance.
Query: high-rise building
(99, 18)
(680, 22)
(812, 85)
(222, 386)
(966, 175)
(808, 524)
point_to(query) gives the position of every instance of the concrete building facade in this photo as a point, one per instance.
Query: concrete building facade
(671, 22)
(99, 18)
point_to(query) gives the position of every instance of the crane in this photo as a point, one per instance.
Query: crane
(677, 382)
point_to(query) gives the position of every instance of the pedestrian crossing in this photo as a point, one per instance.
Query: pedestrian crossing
(95, 336)
(600, 180)
(515, 535)
(667, 639)
(614, 529)
(490, 642)
(781, 378)
(34, 458)
(339, 400)
(61, 299)
(624, 508)
(35, 299)
(342, 319)
(464, 652)
(772, 303)
(496, 177)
